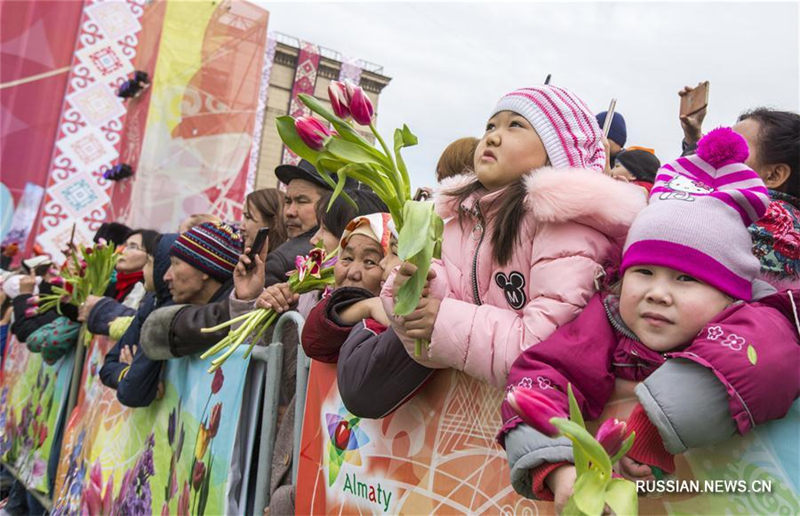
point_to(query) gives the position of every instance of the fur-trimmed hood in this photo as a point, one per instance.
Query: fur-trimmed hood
(561, 195)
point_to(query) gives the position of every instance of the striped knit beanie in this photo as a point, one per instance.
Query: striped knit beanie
(564, 123)
(212, 248)
(696, 222)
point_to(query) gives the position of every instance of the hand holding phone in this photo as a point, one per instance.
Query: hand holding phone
(694, 104)
(258, 245)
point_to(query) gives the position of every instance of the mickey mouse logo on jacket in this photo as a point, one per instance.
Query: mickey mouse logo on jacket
(513, 287)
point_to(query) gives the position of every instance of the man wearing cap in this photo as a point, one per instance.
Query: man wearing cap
(175, 331)
(304, 188)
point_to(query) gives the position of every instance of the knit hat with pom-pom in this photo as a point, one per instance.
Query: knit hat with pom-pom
(696, 222)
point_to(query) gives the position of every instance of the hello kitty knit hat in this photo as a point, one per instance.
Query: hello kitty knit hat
(563, 121)
(696, 222)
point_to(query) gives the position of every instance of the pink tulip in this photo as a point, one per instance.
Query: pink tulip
(58, 281)
(32, 301)
(611, 435)
(183, 500)
(535, 409)
(311, 131)
(337, 93)
(108, 495)
(93, 492)
(30, 312)
(360, 105)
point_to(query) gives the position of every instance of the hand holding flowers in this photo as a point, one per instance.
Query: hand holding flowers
(313, 272)
(594, 487)
(346, 153)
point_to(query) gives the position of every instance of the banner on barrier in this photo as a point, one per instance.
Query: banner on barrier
(32, 396)
(437, 454)
(172, 456)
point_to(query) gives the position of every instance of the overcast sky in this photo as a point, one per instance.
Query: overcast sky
(451, 62)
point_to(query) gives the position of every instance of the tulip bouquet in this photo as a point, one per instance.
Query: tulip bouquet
(87, 273)
(345, 152)
(594, 456)
(312, 272)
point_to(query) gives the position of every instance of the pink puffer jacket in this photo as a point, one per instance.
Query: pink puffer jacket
(574, 228)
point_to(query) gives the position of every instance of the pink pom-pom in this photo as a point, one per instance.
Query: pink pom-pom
(722, 146)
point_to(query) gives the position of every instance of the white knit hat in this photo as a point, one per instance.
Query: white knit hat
(565, 124)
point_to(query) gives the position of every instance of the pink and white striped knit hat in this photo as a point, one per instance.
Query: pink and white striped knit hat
(696, 222)
(563, 121)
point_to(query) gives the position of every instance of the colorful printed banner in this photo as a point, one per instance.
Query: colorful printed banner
(198, 133)
(36, 47)
(24, 216)
(258, 131)
(32, 398)
(92, 119)
(437, 454)
(172, 456)
(305, 77)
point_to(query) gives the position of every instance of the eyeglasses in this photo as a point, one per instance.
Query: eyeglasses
(133, 247)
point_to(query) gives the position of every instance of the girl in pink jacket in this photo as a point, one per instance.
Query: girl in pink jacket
(526, 237)
(713, 361)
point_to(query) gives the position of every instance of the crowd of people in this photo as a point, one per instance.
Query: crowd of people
(567, 258)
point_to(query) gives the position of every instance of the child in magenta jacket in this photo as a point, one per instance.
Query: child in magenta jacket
(685, 323)
(525, 237)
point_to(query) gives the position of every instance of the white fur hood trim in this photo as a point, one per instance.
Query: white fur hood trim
(561, 195)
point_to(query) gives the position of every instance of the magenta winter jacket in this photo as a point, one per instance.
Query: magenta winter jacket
(752, 348)
(574, 228)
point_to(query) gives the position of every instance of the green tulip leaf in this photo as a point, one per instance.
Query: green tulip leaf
(581, 460)
(438, 229)
(621, 496)
(288, 134)
(408, 296)
(403, 138)
(574, 410)
(752, 356)
(416, 243)
(580, 437)
(415, 232)
(339, 190)
(353, 152)
(589, 492)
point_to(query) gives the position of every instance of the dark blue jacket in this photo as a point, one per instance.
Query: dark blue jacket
(103, 314)
(137, 383)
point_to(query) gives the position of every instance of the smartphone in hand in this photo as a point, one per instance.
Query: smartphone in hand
(258, 245)
(695, 99)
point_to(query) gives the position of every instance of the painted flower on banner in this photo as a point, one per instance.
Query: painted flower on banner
(344, 440)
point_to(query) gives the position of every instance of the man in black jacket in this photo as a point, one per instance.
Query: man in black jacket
(174, 331)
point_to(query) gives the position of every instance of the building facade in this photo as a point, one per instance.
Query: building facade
(281, 81)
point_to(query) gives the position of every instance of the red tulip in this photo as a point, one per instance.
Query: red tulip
(342, 435)
(360, 106)
(197, 474)
(337, 93)
(42, 434)
(213, 419)
(216, 383)
(311, 131)
(535, 409)
(611, 435)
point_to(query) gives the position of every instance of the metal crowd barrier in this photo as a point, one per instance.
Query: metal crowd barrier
(272, 355)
